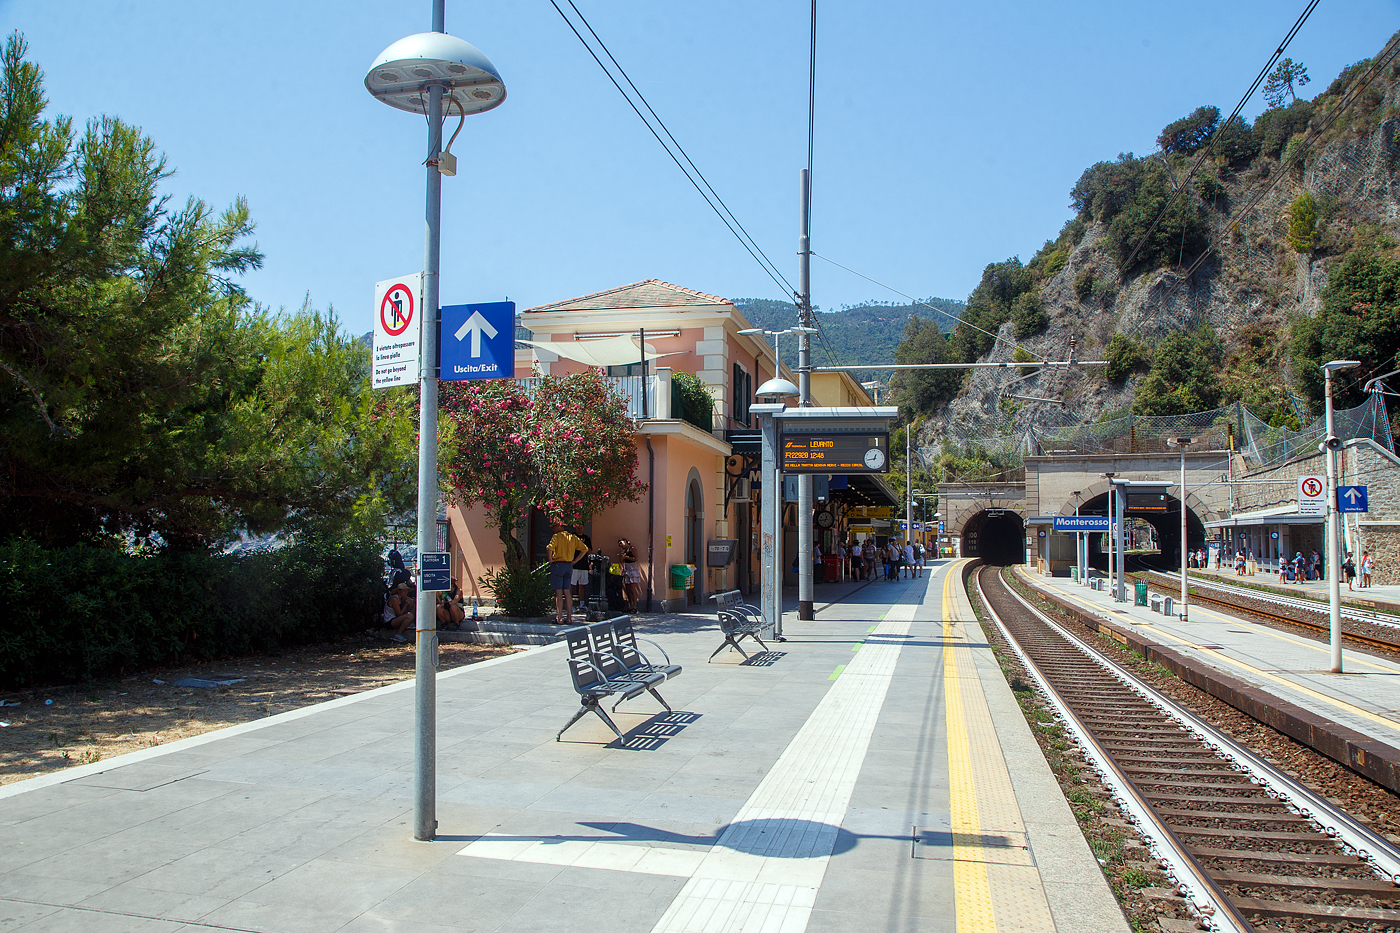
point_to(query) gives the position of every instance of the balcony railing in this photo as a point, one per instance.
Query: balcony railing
(655, 388)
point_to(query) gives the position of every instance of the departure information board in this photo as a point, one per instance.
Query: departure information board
(868, 452)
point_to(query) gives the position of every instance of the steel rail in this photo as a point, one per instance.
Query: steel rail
(1390, 620)
(1354, 836)
(1207, 898)
(1290, 620)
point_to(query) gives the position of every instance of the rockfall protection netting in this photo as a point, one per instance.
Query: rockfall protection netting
(1233, 427)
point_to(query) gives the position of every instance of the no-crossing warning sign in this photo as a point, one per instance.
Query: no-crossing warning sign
(397, 323)
(1312, 495)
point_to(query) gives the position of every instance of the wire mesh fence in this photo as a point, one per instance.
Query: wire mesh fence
(1234, 427)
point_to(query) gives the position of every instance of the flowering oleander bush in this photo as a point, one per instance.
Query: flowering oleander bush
(566, 450)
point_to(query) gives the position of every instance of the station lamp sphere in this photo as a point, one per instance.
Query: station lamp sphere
(403, 72)
(777, 388)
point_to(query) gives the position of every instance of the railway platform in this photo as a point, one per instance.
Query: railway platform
(1364, 699)
(1382, 598)
(871, 773)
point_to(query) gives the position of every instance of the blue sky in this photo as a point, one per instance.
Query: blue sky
(947, 135)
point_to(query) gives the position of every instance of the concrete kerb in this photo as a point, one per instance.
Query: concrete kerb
(1376, 760)
(194, 741)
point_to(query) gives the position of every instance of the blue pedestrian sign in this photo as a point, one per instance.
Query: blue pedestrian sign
(477, 341)
(434, 573)
(1351, 499)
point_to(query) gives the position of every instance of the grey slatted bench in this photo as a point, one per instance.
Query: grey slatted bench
(598, 672)
(737, 621)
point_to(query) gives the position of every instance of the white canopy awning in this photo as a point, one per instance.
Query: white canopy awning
(608, 351)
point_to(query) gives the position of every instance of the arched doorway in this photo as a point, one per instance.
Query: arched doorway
(694, 536)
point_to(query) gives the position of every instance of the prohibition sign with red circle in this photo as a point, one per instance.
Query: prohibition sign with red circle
(396, 315)
(1311, 487)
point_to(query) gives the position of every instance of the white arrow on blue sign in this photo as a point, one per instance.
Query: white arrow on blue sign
(477, 341)
(1351, 499)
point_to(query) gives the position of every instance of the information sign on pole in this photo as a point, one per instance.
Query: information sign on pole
(478, 341)
(396, 331)
(1352, 499)
(1312, 495)
(434, 572)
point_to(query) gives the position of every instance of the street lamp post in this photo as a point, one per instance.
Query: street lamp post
(417, 74)
(1334, 543)
(1081, 542)
(1182, 443)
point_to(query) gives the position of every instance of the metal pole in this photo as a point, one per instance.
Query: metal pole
(770, 568)
(1183, 536)
(425, 669)
(908, 483)
(1332, 547)
(1122, 502)
(804, 386)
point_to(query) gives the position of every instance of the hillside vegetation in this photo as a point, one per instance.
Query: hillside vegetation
(864, 333)
(1226, 265)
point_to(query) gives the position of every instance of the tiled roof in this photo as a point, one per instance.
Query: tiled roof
(651, 293)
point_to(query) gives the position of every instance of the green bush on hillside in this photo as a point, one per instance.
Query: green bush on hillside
(79, 612)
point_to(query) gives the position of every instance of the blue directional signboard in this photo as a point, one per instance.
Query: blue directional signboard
(1351, 499)
(477, 341)
(434, 572)
(1092, 523)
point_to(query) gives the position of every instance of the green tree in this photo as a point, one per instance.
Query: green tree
(1286, 74)
(914, 391)
(1125, 356)
(141, 391)
(1190, 134)
(1359, 320)
(1274, 128)
(1235, 143)
(1184, 377)
(566, 450)
(1028, 312)
(1302, 223)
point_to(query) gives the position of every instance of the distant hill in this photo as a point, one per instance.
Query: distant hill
(865, 333)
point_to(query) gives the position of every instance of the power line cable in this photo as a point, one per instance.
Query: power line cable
(702, 186)
(925, 304)
(1215, 137)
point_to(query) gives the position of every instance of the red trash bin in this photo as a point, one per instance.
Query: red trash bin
(831, 569)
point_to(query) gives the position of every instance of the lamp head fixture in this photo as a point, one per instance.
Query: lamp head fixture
(777, 388)
(402, 74)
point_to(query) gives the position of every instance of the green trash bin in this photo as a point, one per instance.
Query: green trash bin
(1074, 574)
(682, 576)
(1141, 590)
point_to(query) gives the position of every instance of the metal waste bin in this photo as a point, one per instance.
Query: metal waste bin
(1074, 574)
(1141, 590)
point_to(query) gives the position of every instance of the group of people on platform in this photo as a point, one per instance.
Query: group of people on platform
(1300, 570)
(868, 559)
(576, 568)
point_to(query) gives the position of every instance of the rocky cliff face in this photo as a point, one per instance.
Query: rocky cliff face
(1250, 286)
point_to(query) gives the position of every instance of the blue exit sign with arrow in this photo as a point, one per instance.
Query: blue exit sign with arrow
(1351, 499)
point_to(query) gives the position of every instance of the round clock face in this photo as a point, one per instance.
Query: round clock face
(874, 458)
(825, 519)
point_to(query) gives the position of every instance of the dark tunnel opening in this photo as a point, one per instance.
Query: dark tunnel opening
(998, 537)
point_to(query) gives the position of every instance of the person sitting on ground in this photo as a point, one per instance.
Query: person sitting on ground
(400, 611)
(449, 608)
(398, 573)
(563, 549)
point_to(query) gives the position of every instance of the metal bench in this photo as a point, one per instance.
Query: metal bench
(621, 642)
(737, 621)
(598, 672)
(1154, 602)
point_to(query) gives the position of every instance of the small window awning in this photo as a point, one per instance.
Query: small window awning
(608, 351)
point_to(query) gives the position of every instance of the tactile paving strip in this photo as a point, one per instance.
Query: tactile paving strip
(989, 893)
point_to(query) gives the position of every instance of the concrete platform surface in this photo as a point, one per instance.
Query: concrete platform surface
(871, 773)
(1365, 698)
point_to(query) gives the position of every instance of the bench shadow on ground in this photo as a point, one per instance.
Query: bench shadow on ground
(649, 735)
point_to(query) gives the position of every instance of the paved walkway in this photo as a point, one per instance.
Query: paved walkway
(871, 773)
(1385, 598)
(1365, 698)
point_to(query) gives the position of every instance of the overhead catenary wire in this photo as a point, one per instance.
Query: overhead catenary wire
(701, 185)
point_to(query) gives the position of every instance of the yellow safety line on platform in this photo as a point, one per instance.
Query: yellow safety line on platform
(996, 884)
(1226, 659)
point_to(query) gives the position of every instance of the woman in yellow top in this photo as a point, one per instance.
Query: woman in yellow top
(563, 548)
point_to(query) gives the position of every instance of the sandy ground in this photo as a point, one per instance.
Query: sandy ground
(55, 728)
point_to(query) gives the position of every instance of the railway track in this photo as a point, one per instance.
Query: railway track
(1252, 848)
(1357, 626)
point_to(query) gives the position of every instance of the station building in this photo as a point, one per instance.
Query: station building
(702, 479)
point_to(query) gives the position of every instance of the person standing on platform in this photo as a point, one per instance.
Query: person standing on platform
(1366, 564)
(857, 562)
(563, 549)
(631, 573)
(1349, 570)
